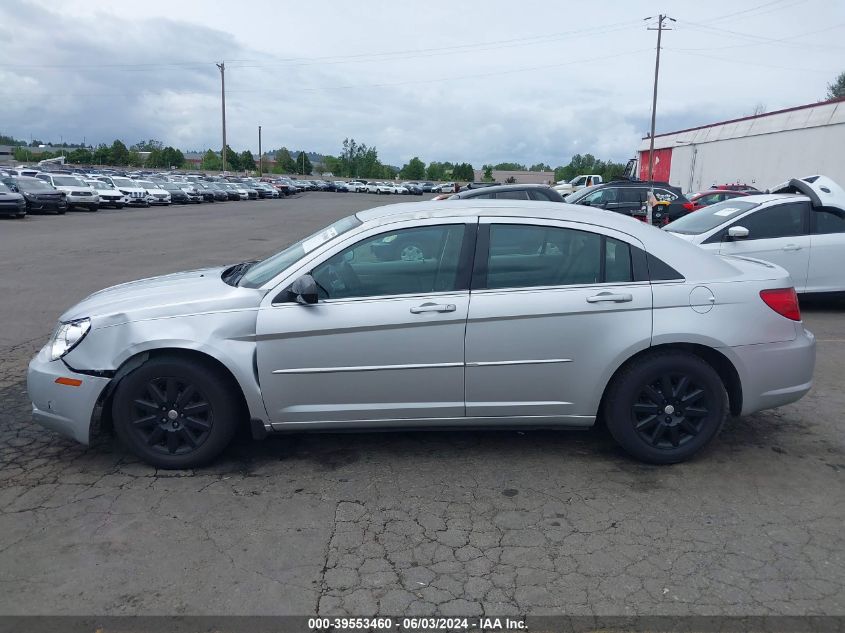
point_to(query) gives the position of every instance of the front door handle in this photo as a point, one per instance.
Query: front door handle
(434, 307)
(792, 247)
(609, 296)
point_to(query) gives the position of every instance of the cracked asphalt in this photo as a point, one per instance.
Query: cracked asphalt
(401, 523)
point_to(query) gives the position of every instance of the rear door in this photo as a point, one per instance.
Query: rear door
(827, 250)
(553, 307)
(778, 233)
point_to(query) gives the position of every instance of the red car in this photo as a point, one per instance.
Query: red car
(706, 198)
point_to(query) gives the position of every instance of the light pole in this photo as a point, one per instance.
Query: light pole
(660, 28)
(260, 155)
(222, 67)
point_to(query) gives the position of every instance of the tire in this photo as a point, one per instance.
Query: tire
(118, 206)
(20, 216)
(636, 407)
(200, 409)
(61, 211)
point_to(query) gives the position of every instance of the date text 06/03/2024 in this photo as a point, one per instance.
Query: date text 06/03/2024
(417, 624)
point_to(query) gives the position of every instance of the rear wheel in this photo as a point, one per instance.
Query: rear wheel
(175, 414)
(666, 406)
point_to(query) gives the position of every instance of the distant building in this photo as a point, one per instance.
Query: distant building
(761, 150)
(7, 154)
(520, 177)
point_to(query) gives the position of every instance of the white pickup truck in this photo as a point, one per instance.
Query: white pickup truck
(564, 187)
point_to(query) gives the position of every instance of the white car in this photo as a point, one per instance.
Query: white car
(109, 196)
(155, 194)
(800, 226)
(447, 187)
(135, 195)
(401, 189)
(385, 188)
(77, 192)
(372, 187)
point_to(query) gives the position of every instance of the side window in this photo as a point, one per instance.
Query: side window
(601, 196)
(407, 261)
(782, 220)
(484, 196)
(539, 194)
(828, 220)
(512, 195)
(634, 195)
(580, 182)
(523, 256)
(663, 195)
(617, 261)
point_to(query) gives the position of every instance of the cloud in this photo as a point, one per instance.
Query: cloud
(474, 88)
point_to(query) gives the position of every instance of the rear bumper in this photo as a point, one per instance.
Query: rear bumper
(775, 374)
(65, 409)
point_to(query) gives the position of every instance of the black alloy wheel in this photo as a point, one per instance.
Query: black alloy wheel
(171, 415)
(669, 412)
(174, 413)
(665, 406)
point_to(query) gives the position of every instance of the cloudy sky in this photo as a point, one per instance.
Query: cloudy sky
(445, 80)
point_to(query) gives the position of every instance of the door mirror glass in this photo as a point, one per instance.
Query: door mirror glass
(304, 290)
(737, 232)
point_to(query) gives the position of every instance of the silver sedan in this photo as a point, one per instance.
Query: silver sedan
(459, 313)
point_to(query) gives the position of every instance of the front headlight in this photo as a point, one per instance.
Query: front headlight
(67, 336)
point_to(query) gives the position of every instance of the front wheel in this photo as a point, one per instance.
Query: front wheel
(175, 414)
(666, 406)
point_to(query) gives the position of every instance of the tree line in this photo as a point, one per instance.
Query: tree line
(116, 154)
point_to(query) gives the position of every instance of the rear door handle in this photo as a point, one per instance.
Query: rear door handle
(609, 296)
(434, 307)
(792, 247)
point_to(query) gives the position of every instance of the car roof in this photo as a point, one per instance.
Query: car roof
(680, 254)
(483, 191)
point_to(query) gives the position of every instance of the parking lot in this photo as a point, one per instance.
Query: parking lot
(399, 523)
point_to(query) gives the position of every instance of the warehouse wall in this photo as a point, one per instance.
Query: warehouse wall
(763, 161)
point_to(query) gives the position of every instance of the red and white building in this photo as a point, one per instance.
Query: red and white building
(761, 150)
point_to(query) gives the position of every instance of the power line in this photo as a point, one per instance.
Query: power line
(778, 41)
(350, 86)
(327, 59)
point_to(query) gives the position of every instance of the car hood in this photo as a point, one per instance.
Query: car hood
(178, 294)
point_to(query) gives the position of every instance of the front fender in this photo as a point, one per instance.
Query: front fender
(227, 337)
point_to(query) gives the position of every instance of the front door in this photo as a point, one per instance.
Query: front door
(384, 342)
(553, 309)
(776, 234)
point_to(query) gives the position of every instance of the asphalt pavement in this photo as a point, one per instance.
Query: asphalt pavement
(398, 523)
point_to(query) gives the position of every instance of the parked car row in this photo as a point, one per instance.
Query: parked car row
(57, 191)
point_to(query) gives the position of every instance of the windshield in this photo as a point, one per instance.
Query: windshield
(146, 185)
(4, 188)
(67, 181)
(34, 184)
(265, 270)
(100, 184)
(124, 182)
(710, 217)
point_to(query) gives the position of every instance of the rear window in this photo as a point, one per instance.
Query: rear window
(710, 217)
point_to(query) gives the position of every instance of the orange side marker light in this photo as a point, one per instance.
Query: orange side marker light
(70, 382)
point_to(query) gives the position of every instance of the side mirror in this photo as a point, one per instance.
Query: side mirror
(587, 203)
(304, 290)
(737, 232)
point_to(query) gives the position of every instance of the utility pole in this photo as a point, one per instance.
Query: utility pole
(222, 67)
(260, 155)
(660, 28)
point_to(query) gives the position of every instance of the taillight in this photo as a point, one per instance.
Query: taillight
(784, 301)
(689, 206)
